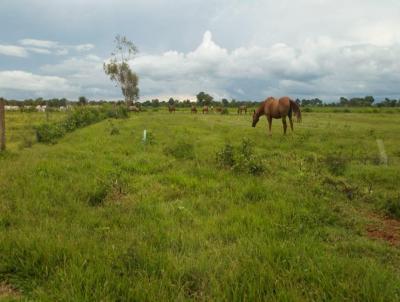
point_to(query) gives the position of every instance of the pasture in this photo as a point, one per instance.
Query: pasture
(186, 215)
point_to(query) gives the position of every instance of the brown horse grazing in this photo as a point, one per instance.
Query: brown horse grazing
(218, 109)
(171, 108)
(273, 108)
(193, 109)
(205, 109)
(242, 109)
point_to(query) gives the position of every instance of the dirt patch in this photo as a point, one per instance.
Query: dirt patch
(7, 291)
(384, 228)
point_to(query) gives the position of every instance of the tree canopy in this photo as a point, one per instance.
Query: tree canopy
(120, 72)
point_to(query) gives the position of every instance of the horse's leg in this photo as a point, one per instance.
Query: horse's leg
(269, 125)
(284, 124)
(291, 123)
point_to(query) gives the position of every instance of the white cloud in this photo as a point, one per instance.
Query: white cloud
(22, 80)
(39, 43)
(12, 50)
(320, 66)
(84, 47)
(43, 51)
(46, 47)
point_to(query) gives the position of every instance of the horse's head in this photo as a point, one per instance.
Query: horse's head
(255, 118)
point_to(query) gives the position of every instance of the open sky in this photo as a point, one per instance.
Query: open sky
(239, 49)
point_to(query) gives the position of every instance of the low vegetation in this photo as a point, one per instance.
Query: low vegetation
(77, 118)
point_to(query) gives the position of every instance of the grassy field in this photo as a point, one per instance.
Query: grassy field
(102, 216)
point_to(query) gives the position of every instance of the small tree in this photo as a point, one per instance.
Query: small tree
(119, 71)
(2, 126)
(204, 98)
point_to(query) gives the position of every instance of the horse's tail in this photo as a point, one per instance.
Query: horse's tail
(296, 109)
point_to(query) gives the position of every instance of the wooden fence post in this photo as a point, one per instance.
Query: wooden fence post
(2, 126)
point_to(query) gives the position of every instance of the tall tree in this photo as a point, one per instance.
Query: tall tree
(119, 71)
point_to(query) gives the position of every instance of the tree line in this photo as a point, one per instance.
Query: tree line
(205, 99)
(367, 101)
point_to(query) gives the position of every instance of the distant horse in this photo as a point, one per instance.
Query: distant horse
(218, 109)
(205, 109)
(171, 108)
(193, 109)
(242, 109)
(273, 108)
(134, 108)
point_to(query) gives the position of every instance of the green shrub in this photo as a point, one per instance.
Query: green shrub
(307, 109)
(392, 207)
(242, 159)
(78, 118)
(225, 157)
(116, 112)
(49, 133)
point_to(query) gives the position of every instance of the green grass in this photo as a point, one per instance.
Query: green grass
(101, 217)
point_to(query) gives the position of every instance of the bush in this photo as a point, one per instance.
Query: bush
(247, 161)
(307, 109)
(225, 157)
(49, 133)
(116, 112)
(242, 159)
(392, 207)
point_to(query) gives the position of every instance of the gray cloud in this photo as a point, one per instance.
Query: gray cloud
(319, 48)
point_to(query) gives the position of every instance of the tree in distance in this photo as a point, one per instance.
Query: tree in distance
(119, 71)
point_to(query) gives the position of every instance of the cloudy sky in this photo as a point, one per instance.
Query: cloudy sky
(236, 49)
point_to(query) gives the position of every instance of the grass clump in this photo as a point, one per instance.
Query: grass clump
(336, 163)
(180, 150)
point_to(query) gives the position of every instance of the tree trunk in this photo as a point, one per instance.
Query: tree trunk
(2, 127)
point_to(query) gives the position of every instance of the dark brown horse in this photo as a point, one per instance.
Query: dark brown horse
(171, 108)
(218, 109)
(205, 109)
(193, 109)
(242, 109)
(273, 108)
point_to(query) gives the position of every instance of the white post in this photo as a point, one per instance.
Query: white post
(144, 135)
(382, 152)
